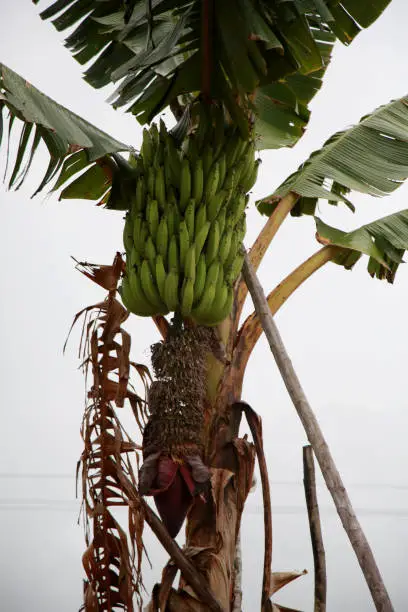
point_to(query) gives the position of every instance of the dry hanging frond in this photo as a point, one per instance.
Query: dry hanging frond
(112, 566)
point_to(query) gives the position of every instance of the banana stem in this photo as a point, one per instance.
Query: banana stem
(263, 241)
(251, 329)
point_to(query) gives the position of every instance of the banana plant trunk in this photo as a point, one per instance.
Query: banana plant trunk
(212, 527)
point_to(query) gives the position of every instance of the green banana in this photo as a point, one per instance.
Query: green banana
(140, 166)
(160, 276)
(192, 150)
(190, 263)
(240, 168)
(128, 233)
(149, 287)
(222, 163)
(171, 290)
(147, 150)
(237, 208)
(220, 276)
(234, 270)
(211, 183)
(167, 176)
(150, 253)
(140, 233)
(234, 249)
(240, 150)
(221, 219)
(207, 158)
(249, 157)
(139, 295)
(219, 314)
(152, 216)
(160, 188)
(170, 219)
(132, 303)
(217, 307)
(200, 218)
(162, 237)
(154, 136)
(184, 242)
(213, 272)
(227, 305)
(162, 132)
(241, 227)
(189, 216)
(232, 148)
(214, 205)
(185, 183)
(177, 219)
(172, 160)
(187, 296)
(250, 181)
(198, 180)
(151, 181)
(230, 181)
(173, 257)
(140, 199)
(203, 307)
(134, 258)
(201, 273)
(225, 244)
(212, 242)
(200, 239)
(159, 156)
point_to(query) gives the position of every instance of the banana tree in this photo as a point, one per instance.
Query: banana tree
(235, 72)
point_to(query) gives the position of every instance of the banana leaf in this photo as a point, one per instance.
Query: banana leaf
(163, 49)
(73, 144)
(384, 241)
(370, 157)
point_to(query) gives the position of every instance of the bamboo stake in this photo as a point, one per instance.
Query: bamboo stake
(315, 436)
(319, 556)
(237, 603)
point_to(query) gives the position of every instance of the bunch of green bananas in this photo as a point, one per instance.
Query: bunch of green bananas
(184, 230)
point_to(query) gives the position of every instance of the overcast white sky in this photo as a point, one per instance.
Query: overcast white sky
(346, 334)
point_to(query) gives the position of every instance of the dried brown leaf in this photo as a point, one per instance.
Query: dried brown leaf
(181, 601)
(105, 276)
(90, 599)
(123, 368)
(255, 425)
(281, 579)
(219, 480)
(108, 479)
(168, 575)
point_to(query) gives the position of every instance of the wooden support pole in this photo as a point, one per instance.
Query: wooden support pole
(320, 447)
(319, 556)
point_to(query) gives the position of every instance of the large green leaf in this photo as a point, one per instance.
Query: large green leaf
(164, 49)
(370, 157)
(384, 241)
(72, 143)
(282, 107)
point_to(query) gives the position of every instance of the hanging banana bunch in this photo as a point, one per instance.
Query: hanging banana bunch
(186, 223)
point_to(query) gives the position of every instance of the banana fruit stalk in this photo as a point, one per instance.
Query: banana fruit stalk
(186, 221)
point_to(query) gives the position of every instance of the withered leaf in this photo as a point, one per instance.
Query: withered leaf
(281, 579)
